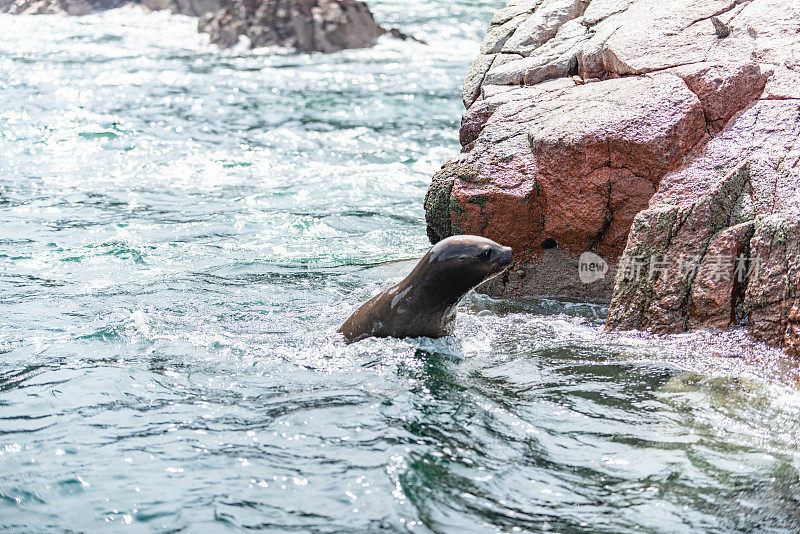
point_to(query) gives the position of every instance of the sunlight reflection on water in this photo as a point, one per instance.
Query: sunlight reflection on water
(183, 230)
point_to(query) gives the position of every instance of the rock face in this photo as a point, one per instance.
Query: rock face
(722, 236)
(306, 25)
(633, 129)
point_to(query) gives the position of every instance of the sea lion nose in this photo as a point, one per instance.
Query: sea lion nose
(506, 256)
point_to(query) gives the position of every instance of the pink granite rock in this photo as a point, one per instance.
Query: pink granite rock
(752, 212)
(683, 134)
(773, 293)
(718, 282)
(723, 89)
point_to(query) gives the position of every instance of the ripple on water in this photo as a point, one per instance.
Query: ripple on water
(184, 229)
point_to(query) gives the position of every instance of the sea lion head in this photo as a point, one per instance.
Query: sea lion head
(424, 302)
(458, 263)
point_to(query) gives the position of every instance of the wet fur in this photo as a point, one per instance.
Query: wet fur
(424, 303)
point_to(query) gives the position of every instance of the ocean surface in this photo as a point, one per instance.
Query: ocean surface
(183, 229)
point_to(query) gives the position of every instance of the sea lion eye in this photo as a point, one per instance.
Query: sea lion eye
(486, 254)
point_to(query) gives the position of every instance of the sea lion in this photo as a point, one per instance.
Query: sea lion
(424, 303)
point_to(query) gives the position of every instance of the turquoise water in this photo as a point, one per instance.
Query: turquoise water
(182, 230)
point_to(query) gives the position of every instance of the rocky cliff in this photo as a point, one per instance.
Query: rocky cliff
(306, 25)
(661, 135)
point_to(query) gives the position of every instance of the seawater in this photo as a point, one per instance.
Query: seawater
(182, 230)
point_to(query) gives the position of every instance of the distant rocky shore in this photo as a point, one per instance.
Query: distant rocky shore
(661, 136)
(306, 25)
(193, 8)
